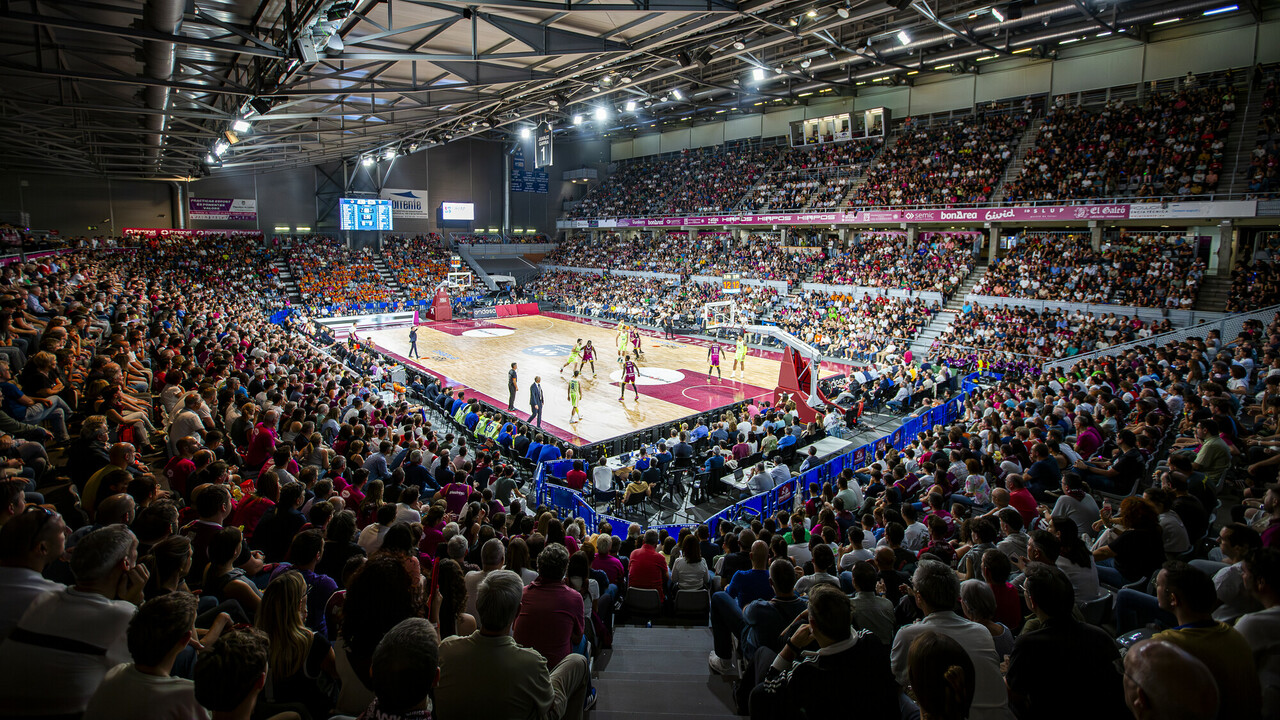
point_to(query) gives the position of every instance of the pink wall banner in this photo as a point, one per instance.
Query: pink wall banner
(1041, 213)
(174, 233)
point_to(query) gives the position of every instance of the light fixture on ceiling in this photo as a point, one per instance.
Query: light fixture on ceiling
(389, 154)
(675, 93)
(995, 13)
(758, 74)
(367, 160)
(602, 113)
(231, 136)
(739, 45)
(648, 102)
(486, 123)
(805, 63)
(220, 147)
(813, 13)
(1217, 11)
(261, 105)
(631, 106)
(843, 12)
(904, 38)
(595, 88)
(577, 119)
(793, 22)
(525, 133)
(607, 80)
(778, 70)
(240, 125)
(558, 101)
(625, 79)
(339, 11)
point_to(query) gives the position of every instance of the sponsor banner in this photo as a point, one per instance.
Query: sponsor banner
(222, 209)
(173, 233)
(407, 203)
(484, 312)
(995, 214)
(1192, 210)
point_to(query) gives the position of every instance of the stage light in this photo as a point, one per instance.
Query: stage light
(389, 154)
(758, 74)
(367, 160)
(805, 63)
(577, 119)
(220, 147)
(675, 93)
(903, 37)
(739, 45)
(525, 133)
(240, 125)
(843, 13)
(602, 113)
(631, 106)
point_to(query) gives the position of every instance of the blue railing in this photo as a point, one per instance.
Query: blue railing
(569, 503)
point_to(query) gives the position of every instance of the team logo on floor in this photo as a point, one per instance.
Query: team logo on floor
(548, 350)
(651, 376)
(488, 332)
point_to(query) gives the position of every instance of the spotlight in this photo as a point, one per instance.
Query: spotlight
(595, 88)
(739, 45)
(625, 80)
(367, 160)
(525, 133)
(339, 11)
(805, 63)
(577, 119)
(999, 16)
(778, 70)
(648, 102)
(631, 106)
(903, 37)
(240, 125)
(812, 13)
(793, 22)
(607, 80)
(843, 13)
(675, 93)
(220, 147)
(389, 154)
(558, 101)
(602, 113)
(758, 74)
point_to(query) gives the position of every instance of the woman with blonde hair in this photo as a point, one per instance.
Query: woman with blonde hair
(302, 663)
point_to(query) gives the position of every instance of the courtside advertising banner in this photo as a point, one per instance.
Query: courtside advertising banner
(222, 208)
(407, 203)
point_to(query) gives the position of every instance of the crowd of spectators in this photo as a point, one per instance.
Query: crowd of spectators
(864, 329)
(1153, 270)
(1263, 173)
(760, 256)
(329, 274)
(418, 264)
(163, 437)
(1255, 285)
(1037, 335)
(1172, 144)
(939, 262)
(815, 176)
(947, 163)
(651, 301)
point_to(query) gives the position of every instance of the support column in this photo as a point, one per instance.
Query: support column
(784, 235)
(993, 242)
(1095, 235)
(693, 235)
(913, 235)
(1219, 250)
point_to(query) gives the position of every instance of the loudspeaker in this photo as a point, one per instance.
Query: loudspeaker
(704, 58)
(307, 49)
(683, 58)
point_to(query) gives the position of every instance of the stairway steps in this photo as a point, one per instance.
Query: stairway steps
(701, 696)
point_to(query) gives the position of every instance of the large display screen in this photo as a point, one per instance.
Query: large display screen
(365, 213)
(457, 211)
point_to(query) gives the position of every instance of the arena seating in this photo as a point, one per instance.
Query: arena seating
(938, 263)
(1172, 144)
(1263, 175)
(854, 328)
(811, 176)
(643, 300)
(330, 274)
(418, 264)
(1152, 270)
(1049, 334)
(947, 163)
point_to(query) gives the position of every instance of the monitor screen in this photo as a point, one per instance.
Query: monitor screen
(457, 211)
(365, 213)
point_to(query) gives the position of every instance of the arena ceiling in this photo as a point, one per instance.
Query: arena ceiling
(150, 88)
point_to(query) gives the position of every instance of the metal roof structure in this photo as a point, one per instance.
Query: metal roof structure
(173, 88)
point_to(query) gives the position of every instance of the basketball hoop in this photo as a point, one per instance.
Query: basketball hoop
(723, 313)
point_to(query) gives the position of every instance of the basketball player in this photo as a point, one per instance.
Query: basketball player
(413, 341)
(740, 358)
(620, 339)
(575, 357)
(713, 360)
(589, 356)
(635, 342)
(575, 394)
(629, 374)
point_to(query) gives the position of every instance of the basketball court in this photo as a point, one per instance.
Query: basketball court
(476, 354)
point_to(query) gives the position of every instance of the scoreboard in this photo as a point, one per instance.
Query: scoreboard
(732, 283)
(364, 214)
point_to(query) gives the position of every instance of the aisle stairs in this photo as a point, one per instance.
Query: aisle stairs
(1014, 170)
(660, 672)
(1214, 293)
(289, 281)
(388, 278)
(942, 320)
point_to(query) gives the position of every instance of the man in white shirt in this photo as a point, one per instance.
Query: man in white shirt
(158, 633)
(29, 541)
(936, 593)
(186, 422)
(62, 648)
(1262, 628)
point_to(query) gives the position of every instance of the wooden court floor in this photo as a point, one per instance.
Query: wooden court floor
(476, 354)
